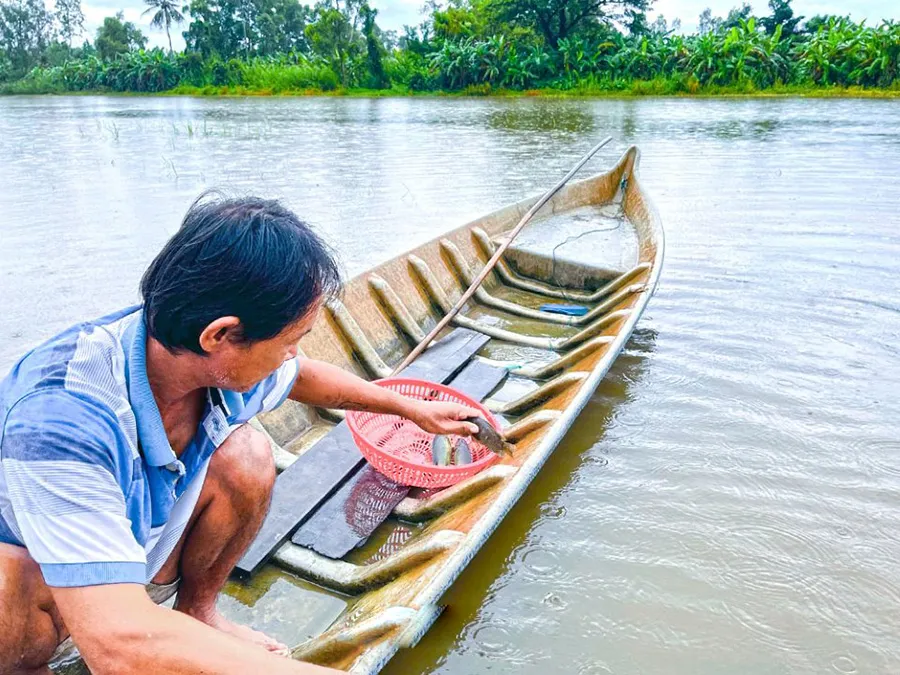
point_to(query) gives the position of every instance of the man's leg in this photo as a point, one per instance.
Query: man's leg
(30, 625)
(229, 513)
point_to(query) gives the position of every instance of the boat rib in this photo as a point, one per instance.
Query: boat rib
(513, 280)
(433, 288)
(461, 267)
(352, 579)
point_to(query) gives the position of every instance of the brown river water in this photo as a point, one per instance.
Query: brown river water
(730, 500)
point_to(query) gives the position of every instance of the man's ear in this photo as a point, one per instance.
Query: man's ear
(218, 333)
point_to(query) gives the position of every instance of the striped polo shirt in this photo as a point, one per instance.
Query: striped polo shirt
(87, 475)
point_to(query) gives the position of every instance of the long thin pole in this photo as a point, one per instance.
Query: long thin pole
(448, 317)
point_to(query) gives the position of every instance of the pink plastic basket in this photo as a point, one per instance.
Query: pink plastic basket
(400, 450)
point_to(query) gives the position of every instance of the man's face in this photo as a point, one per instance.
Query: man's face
(239, 366)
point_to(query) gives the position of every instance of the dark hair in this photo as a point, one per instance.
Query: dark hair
(246, 257)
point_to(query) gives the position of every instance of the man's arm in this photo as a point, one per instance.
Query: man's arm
(120, 631)
(324, 385)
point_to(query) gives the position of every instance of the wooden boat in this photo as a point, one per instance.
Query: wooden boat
(389, 601)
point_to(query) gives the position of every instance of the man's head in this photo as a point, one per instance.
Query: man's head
(239, 284)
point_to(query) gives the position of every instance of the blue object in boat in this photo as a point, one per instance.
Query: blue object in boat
(568, 310)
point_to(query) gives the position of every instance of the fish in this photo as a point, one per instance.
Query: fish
(463, 453)
(490, 437)
(441, 450)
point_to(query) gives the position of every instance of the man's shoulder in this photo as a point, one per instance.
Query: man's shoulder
(83, 366)
(59, 433)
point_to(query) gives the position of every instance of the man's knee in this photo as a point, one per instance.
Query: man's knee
(244, 465)
(30, 627)
(14, 594)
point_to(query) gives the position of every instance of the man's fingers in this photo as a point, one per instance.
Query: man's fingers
(454, 420)
(462, 429)
(464, 413)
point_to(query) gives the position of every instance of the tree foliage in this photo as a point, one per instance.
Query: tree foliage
(26, 31)
(70, 18)
(331, 38)
(661, 27)
(636, 22)
(708, 23)
(782, 15)
(244, 28)
(117, 36)
(166, 14)
(375, 50)
(556, 20)
(736, 15)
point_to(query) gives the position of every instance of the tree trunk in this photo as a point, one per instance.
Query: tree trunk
(547, 30)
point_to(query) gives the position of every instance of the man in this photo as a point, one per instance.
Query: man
(127, 468)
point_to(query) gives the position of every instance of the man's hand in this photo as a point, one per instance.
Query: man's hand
(322, 384)
(442, 417)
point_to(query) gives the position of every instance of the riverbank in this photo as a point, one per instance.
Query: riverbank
(636, 89)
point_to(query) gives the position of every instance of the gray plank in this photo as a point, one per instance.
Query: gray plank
(478, 379)
(446, 357)
(350, 516)
(323, 469)
(299, 491)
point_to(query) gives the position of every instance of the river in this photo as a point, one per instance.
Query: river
(729, 501)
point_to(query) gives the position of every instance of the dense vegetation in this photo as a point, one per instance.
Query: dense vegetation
(474, 46)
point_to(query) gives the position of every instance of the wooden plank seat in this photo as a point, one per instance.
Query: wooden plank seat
(317, 474)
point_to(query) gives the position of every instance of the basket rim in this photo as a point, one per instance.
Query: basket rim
(446, 472)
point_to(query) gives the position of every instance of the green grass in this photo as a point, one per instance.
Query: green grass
(277, 77)
(305, 84)
(31, 86)
(637, 89)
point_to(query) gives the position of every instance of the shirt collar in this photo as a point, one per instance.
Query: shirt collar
(232, 401)
(151, 432)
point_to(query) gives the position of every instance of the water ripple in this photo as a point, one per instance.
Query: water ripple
(496, 643)
(843, 663)
(879, 455)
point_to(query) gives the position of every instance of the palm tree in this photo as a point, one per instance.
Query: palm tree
(166, 14)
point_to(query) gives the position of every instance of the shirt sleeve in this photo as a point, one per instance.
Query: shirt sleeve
(58, 453)
(275, 389)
